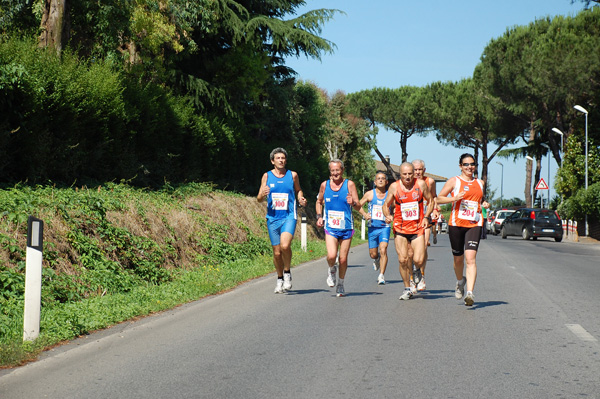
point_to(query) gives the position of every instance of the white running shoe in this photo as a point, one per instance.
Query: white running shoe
(376, 264)
(421, 286)
(406, 295)
(381, 279)
(279, 286)
(460, 288)
(469, 299)
(339, 290)
(287, 281)
(417, 274)
(331, 276)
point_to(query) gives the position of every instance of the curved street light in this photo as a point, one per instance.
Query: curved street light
(548, 147)
(562, 153)
(584, 111)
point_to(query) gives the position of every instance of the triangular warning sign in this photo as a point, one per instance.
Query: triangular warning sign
(541, 185)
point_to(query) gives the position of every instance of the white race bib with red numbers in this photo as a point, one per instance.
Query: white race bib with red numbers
(279, 201)
(410, 210)
(468, 210)
(336, 220)
(377, 212)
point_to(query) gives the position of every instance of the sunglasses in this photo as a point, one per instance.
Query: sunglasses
(470, 164)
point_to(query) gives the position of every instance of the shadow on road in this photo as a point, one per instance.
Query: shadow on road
(488, 303)
(304, 292)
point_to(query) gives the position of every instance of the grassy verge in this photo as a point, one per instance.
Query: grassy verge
(116, 252)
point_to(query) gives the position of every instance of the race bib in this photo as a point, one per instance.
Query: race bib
(336, 220)
(377, 212)
(279, 201)
(410, 210)
(468, 210)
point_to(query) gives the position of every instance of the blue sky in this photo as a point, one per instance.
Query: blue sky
(392, 43)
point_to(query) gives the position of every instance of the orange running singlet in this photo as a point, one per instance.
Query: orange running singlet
(409, 210)
(467, 212)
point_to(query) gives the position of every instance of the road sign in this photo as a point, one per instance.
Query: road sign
(541, 185)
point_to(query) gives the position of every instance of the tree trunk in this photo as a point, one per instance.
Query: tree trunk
(528, 169)
(54, 25)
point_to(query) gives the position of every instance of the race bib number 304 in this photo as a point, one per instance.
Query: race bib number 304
(410, 210)
(336, 220)
(279, 201)
(468, 210)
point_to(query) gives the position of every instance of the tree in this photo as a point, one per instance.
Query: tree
(466, 116)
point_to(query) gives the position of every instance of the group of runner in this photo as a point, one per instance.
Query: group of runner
(409, 208)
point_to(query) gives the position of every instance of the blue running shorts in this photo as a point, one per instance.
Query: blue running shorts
(377, 235)
(340, 234)
(278, 226)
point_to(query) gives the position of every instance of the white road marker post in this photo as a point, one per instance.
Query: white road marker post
(303, 233)
(33, 279)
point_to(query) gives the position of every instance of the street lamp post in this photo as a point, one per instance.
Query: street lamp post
(548, 147)
(501, 184)
(584, 111)
(562, 153)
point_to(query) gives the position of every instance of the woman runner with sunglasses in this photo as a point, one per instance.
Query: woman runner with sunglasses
(465, 223)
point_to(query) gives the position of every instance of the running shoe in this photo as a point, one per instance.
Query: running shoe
(406, 295)
(469, 299)
(413, 286)
(376, 264)
(331, 276)
(339, 290)
(381, 279)
(435, 238)
(287, 281)
(417, 276)
(279, 286)
(460, 288)
(421, 286)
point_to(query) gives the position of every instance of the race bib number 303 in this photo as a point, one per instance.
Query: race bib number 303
(336, 220)
(410, 210)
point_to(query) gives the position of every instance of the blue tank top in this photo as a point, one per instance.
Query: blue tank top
(281, 201)
(338, 213)
(376, 211)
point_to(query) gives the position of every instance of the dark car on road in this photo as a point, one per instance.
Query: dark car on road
(533, 223)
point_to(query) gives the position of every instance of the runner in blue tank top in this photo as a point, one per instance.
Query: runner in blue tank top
(379, 230)
(281, 188)
(337, 196)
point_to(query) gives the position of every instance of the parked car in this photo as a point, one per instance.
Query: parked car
(533, 223)
(490, 220)
(499, 219)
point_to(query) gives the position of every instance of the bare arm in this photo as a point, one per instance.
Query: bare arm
(368, 197)
(298, 190)
(443, 198)
(390, 201)
(264, 190)
(319, 205)
(353, 196)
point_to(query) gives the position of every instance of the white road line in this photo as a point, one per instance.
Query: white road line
(581, 333)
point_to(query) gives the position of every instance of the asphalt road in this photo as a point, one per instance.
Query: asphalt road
(533, 333)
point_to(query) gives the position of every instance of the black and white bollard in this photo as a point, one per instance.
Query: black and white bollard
(33, 279)
(303, 234)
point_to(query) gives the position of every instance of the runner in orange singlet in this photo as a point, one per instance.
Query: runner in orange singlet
(464, 226)
(407, 196)
(419, 166)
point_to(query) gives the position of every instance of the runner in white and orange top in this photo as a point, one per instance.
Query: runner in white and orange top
(409, 219)
(464, 225)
